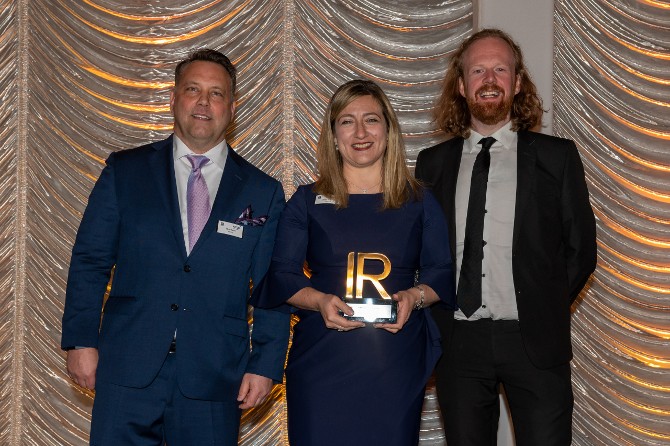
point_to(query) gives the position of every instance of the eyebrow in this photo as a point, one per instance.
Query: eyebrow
(187, 83)
(364, 114)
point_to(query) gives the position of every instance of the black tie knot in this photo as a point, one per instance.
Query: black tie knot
(487, 142)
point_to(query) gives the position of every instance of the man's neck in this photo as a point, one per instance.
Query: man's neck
(198, 149)
(485, 129)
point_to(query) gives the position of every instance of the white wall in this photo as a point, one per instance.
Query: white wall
(531, 25)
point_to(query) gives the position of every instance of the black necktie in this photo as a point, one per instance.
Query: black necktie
(469, 294)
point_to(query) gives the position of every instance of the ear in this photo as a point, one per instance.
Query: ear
(517, 84)
(172, 101)
(461, 87)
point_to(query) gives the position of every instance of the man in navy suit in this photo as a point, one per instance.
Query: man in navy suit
(523, 234)
(185, 225)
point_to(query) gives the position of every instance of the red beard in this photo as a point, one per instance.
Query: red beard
(490, 113)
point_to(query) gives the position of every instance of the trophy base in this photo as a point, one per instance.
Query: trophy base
(377, 311)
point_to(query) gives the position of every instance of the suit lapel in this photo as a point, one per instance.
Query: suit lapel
(526, 158)
(450, 167)
(162, 167)
(232, 182)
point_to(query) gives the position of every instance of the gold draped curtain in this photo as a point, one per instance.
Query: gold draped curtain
(612, 96)
(81, 79)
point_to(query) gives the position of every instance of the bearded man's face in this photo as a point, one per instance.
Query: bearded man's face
(489, 82)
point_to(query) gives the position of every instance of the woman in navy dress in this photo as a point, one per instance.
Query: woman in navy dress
(348, 383)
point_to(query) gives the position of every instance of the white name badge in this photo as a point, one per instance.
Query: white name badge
(322, 199)
(228, 228)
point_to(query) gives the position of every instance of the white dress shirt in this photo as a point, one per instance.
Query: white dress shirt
(498, 296)
(212, 173)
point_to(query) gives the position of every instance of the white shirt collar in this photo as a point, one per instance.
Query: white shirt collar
(216, 154)
(505, 139)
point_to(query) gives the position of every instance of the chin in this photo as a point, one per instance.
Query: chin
(491, 113)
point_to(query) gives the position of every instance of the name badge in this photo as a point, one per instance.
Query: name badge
(322, 199)
(228, 228)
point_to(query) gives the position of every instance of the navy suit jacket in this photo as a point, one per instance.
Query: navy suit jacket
(554, 236)
(132, 227)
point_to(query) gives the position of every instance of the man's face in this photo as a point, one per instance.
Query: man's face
(489, 83)
(202, 105)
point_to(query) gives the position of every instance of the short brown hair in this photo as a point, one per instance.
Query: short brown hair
(452, 113)
(208, 55)
(398, 185)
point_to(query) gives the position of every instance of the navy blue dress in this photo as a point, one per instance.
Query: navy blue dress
(364, 386)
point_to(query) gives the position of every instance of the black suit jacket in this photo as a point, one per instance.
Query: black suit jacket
(554, 239)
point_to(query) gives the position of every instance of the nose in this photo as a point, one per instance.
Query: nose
(489, 76)
(360, 130)
(203, 99)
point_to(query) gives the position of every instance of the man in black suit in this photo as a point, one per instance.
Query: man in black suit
(523, 233)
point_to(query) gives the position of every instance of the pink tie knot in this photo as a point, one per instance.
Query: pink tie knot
(197, 161)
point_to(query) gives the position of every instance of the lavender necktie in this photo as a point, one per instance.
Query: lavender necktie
(197, 199)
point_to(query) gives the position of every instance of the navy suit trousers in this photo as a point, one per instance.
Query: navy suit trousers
(160, 414)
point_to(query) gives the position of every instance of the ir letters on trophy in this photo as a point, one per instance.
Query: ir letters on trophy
(369, 308)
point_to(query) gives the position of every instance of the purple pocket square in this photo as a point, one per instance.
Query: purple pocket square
(247, 219)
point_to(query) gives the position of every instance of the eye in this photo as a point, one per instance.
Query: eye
(346, 121)
(372, 119)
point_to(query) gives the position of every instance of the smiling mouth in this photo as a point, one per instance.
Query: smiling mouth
(361, 146)
(489, 92)
(201, 117)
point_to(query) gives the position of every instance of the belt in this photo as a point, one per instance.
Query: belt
(173, 346)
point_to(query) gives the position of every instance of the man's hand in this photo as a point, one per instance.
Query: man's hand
(81, 366)
(254, 390)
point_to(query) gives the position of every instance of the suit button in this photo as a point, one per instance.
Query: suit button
(174, 307)
(187, 268)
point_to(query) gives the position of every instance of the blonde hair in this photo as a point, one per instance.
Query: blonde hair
(398, 185)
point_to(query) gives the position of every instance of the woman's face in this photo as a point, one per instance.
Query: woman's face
(361, 133)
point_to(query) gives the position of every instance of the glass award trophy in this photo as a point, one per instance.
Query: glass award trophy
(372, 308)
